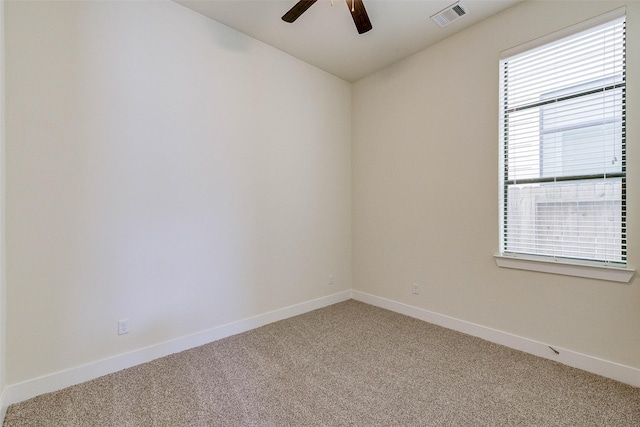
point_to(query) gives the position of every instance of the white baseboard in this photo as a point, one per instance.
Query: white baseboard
(3, 405)
(15, 393)
(605, 368)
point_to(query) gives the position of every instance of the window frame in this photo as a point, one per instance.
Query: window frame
(615, 271)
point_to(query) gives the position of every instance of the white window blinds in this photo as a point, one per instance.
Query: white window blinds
(562, 159)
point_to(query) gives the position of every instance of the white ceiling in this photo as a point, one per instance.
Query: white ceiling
(326, 37)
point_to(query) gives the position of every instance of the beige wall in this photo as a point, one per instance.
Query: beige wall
(425, 192)
(166, 169)
(3, 284)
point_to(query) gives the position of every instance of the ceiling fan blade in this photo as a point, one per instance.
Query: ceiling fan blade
(297, 10)
(359, 14)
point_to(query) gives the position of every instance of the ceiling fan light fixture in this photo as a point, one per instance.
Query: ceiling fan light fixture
(353, 3)
(356, 7)
(449, 14)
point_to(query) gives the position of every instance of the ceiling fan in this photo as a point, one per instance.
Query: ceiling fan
(358, 13)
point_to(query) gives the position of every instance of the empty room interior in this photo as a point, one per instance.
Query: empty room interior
(170, 181)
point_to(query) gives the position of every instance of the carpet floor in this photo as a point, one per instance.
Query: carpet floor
(350, 364)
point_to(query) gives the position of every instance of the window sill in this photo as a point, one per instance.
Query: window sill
(614, 274)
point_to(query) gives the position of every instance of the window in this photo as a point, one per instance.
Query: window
(562, 150)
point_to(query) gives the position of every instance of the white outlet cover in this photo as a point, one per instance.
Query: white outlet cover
(123, 326)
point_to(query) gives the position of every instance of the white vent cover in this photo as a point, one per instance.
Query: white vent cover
(450, 14)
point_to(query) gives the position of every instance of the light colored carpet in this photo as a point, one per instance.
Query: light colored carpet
(349, 364)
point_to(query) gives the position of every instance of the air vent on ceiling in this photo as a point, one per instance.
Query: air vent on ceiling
(450, 14)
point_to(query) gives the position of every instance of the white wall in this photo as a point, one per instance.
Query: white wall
(425, 192)
(163, 168)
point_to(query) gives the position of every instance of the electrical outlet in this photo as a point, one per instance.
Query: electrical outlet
(331, 280)
(415, 289)
(123, 326)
